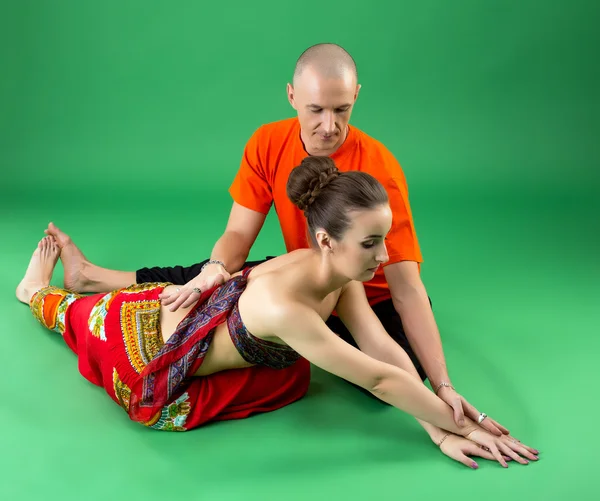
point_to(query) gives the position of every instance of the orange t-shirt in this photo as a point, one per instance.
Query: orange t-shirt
(276, 148)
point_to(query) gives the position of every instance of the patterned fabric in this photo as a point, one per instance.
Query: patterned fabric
(140, 325)
(49, 306)
(122, 391)
(99, 312)
(184, 352)
(119, 345)
(255, 350)
(172, 417)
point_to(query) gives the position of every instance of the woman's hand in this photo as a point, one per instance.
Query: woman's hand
(460, 448)
(502, 446)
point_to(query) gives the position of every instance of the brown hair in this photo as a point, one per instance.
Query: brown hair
(326, 195)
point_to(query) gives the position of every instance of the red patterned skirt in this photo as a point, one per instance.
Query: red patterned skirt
(119, 346)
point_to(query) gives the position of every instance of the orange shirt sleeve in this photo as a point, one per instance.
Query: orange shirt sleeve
(251, 186)
(402, 243)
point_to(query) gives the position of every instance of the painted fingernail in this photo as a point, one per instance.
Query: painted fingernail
(536, 452)
(535, 457)
(474, 465)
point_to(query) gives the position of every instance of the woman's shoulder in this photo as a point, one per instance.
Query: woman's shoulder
(279, 262)
(267, 305)
(270, 290)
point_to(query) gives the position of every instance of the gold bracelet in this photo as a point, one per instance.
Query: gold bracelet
(443, 438)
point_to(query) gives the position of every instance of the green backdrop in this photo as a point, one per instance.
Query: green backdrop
(124, 123)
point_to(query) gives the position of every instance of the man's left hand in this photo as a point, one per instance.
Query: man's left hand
(463, 408)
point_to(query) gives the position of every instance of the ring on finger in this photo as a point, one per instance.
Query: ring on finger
(196, 290)
(481, 417)
(178, 289)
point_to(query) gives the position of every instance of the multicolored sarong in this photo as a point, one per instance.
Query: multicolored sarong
(119, 345)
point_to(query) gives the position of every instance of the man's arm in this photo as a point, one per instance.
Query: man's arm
(412, 304)
(241, 231)
(301, 328)
(373, 340)
(231, 249)
(371, 337)
(305, 332)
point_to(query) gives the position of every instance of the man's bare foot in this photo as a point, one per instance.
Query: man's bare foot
(74, 262)
(39, 271)
(80, 274)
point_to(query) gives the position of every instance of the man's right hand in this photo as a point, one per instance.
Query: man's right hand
(184, 296)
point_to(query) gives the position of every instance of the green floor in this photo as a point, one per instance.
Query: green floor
(125, 124)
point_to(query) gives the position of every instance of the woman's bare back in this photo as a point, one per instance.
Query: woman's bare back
(281, 276)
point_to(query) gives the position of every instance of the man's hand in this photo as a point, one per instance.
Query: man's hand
(188, 294)
(461, 408)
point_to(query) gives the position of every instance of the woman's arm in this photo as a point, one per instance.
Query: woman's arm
(355, 311)
(303, 330)
(359, 318)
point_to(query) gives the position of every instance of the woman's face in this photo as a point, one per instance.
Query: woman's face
(362, 249)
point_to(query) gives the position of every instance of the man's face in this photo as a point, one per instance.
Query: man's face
(324, 106)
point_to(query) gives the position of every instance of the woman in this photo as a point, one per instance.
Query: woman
(245, 346)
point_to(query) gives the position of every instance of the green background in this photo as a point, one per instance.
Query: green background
(124, 123)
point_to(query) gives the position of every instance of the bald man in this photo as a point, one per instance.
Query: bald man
(323, 93)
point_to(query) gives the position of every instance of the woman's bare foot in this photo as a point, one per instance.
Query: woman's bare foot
(39, 271)
(74, 262)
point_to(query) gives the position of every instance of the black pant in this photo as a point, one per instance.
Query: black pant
(385, 311)
(179, 275)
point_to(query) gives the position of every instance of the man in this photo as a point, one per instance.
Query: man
(323, 93)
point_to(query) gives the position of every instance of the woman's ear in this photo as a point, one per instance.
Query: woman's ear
(324, 241)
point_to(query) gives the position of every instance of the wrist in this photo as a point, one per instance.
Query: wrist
(438, 436)
(435, 433)
(443, 383)
(214, 263)
(441, 440)
(437, 374)
(468, 428)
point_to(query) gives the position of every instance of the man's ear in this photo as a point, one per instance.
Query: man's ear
(290, 95)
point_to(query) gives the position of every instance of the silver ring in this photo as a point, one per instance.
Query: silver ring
(178, 289)
(481, 417)
(196, 290)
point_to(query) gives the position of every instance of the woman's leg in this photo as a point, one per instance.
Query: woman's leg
(40, 269)
(48, 304)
